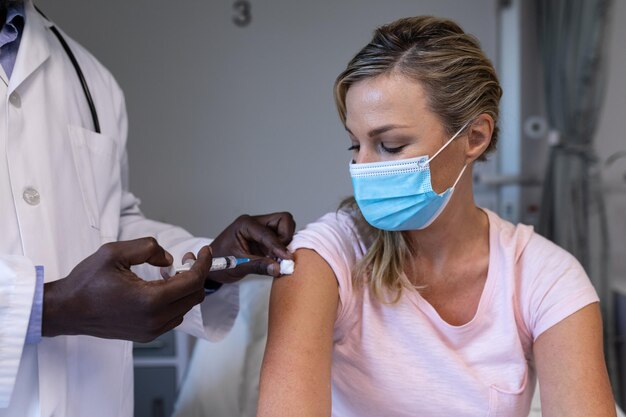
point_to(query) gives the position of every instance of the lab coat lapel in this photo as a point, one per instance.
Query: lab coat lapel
(34, 47)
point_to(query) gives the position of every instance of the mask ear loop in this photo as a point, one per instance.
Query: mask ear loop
(449, 142)
(459, 177)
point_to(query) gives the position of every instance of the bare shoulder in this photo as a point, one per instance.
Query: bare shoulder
(311, 287)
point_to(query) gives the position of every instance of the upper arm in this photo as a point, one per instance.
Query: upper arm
(295, 376)
(570, 366)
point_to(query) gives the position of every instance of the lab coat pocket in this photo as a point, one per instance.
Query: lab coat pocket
(97, 166)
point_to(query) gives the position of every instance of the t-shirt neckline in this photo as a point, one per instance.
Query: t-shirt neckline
(487, 292)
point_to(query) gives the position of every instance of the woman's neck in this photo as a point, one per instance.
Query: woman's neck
(461, 229)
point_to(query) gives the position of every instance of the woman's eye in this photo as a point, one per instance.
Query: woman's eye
(395, 149)
(354, 148)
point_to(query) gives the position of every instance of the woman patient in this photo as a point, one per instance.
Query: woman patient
(410, 300)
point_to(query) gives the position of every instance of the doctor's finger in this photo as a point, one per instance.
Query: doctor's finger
(266, 239)
(139, 251)
(177, 287)
(172, 324)
(185, 283)
(261, 266)
(182, 306)
(178, 308)
(163, 305)
(283, 225)
(202, 264)
(189, 256)
(167, 271)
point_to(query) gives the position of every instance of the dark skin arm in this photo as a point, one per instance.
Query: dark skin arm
(102, 297)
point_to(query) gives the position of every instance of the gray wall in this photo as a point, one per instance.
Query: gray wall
(226, 120)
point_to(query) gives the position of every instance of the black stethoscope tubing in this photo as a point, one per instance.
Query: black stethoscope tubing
(79, 73)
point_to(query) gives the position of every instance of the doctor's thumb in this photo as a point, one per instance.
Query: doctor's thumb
(260, 266)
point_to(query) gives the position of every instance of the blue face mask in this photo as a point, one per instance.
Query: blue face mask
(398, 195)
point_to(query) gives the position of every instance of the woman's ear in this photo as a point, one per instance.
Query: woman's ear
(479, 136)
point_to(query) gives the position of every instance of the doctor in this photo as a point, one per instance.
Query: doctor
(70, 230)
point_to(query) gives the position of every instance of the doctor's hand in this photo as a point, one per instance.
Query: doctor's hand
(102, 297)
(261, 238)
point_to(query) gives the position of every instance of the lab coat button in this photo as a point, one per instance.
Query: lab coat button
(31, 196)
(15, 99)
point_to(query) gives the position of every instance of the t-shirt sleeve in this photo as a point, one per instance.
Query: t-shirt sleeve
(554, 285)
(334, 238)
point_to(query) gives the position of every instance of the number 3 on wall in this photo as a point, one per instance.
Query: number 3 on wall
(243, 13)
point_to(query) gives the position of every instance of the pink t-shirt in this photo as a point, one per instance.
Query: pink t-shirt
(404, 360)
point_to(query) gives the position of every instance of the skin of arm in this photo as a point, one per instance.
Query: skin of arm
(572, 374)
(295, 375)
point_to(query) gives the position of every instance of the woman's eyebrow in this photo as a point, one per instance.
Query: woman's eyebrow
(379, 130)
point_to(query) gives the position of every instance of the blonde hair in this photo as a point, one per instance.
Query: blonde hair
(460, 83)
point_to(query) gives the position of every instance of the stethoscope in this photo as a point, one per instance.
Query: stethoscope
(79, 73)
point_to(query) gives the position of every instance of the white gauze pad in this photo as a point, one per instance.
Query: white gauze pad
(287, 266)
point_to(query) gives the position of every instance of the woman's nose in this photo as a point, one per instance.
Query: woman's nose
(365, 156)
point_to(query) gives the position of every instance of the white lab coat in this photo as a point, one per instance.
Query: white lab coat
(47, 144)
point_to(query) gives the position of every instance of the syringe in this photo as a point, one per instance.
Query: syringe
(218, 264)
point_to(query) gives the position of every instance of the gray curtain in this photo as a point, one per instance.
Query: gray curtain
(573, 39)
